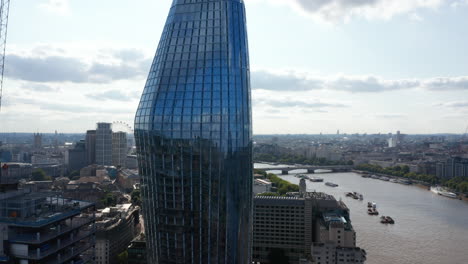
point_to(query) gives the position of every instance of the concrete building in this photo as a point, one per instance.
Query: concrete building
(330, 253)
(334, 227)
(76, 158)
(90, 143)
(104, 144)
(261, 186)
(302, 187)
(119, 149)
(137, 251)
(452, 167)
(131, 162)
(11, 173)
(392, 142)
(282, 223)
(127, 179)
(43, 227)
(37, 144)
(290, 226)
(116, 228)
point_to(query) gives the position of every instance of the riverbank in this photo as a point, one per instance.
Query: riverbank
(420, 184)
(417, 236)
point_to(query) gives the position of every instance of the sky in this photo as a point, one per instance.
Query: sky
(358, 66)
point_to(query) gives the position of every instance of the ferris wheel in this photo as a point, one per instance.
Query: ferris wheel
(120, 126)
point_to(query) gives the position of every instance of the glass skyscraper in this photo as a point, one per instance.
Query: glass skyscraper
(193, 132)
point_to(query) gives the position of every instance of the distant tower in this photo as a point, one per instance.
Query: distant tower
(399, 137)
(119, 149)
(104, 144)
(56, 139)
(302, 187)
(37, 141)
(90, 143)
(338, 132)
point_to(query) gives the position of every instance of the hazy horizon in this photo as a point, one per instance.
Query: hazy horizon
(355, 66)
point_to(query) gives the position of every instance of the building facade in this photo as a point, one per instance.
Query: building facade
(137, 251)
(297, 229)
(37, 144)
(194, 138)
(90, 143)
(119, 149)
(43, 227)
(282, 224)
(104, 144)
(76, 158)
(115, 230)
(452, 167)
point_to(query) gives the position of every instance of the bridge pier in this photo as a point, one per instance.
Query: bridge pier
(310, 171)
(284, 172)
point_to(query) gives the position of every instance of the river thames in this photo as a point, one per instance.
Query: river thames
(429, 229)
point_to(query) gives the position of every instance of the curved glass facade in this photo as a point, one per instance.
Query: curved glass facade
(193, 134)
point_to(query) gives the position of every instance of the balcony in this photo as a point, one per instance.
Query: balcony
(37, 254)
(41, 237)
(72, 253)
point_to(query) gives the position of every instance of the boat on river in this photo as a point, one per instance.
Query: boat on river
(301, 176)
(315, 179)
(443, 192)
(331, 184)
(355, 195)
(372, 211)
(387, 220)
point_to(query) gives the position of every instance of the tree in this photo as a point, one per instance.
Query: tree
(109, 200)
(405, 169)
(122, 258)
(136, 197)
(40, 175)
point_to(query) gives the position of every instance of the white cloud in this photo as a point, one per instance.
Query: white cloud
(294, 82)
(459, 3)
(345, 10)
(390, 115)
(455, 104)
(59, 66)
(59, 7)
(415, 17)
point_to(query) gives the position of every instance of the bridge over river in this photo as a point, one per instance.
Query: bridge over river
(309, 168)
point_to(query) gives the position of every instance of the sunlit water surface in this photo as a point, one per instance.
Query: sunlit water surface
(429, 229)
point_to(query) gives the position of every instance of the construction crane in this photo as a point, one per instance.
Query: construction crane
(4, 11)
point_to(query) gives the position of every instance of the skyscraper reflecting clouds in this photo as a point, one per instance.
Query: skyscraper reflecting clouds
(193, 135)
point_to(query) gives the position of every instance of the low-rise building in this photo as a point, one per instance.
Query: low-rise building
(288, 226)
(44, 227)
(330, 253)
(116, 227)
(261, 186)
(13, 172)
(137, 251)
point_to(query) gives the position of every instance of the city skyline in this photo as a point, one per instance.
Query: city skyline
(342, 65)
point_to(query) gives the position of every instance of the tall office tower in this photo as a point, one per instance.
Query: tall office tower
(37, 140)
(90, 145)
(194, 138)
(104, 144)
(119, 149)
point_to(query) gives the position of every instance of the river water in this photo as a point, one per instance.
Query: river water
(429, 229)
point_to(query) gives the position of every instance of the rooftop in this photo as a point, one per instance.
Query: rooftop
(37, 209)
